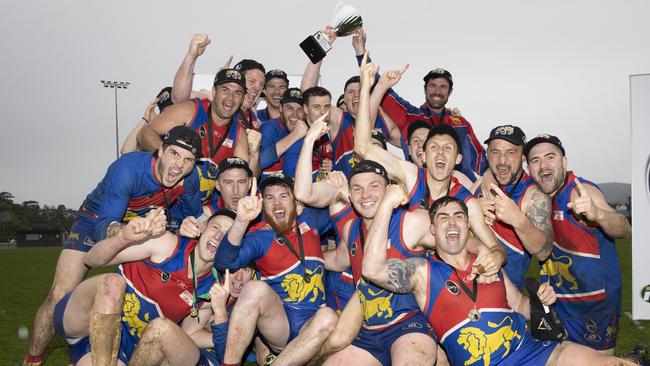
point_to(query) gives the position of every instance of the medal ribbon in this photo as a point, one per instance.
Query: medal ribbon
(472, 294)
(287, 242)
(214, 151)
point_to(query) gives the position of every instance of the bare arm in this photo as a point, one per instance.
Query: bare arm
(521, 303)
(395, 135)
(250, 149)
(480, 229)
(338, 259)
(178, 114)
(590, 203)
(182, 86)
(538, 239)
(311, 75)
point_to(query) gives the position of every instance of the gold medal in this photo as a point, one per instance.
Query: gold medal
(195, 312)
(474, 315)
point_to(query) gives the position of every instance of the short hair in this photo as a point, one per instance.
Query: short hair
(315, 91)
(444, 201)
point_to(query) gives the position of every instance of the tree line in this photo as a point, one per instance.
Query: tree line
(29, 215)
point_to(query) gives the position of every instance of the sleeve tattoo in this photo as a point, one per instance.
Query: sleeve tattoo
(539, 214)
(401, 274)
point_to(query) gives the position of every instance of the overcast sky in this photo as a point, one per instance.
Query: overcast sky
(560, 67)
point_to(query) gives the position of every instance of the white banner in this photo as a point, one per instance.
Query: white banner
(640, 115)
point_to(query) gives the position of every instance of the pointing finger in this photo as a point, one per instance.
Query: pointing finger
(254, 187)
(403, 70)
(582, 192)
(496, 190)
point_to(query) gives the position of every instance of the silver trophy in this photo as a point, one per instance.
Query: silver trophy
(346, 20)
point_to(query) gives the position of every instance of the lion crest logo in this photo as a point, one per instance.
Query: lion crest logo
(298, 289)
(560, 269)
(376, 304)
(130, 311)
(482, 345)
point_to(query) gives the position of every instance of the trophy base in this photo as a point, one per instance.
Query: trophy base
(315, 47)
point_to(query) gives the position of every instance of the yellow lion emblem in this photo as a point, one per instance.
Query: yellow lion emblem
(555, 267)
(206, 184)
(378, 305)
(298, 289)
(482, 346)
(130, 312)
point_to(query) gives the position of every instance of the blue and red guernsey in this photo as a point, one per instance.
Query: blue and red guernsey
(199, 124)
(447, 307)
(340, 285)
(263, 115)
(420, 196)
(130, 189)
(277, 265)
(583, 267)
(343, 142)
(518, 258)
(382, 308)
(250, 119)
(159, 290)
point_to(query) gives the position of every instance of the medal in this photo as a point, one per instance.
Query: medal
(474, 315)
(306, 277)
(300, 255)
(164, 276)
(195, 312)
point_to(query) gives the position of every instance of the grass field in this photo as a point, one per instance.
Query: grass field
(26, 276)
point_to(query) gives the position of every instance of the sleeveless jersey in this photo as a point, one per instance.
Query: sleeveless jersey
(381, 307)
(159, 290)
(497, 333)
(583, 267)
(421, 195)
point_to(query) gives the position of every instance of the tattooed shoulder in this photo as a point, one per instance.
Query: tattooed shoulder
(401, 273)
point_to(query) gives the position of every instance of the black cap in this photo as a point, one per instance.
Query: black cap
(439, 73)
(416, 125)
(232, 163)
(184, 137)
(292, 95)
(276, 179)
(369, 166)
(224, 212)
(248, 64)
(340, 101)
(443, 129)
(164, 98)
(230, 76)
(379, 136)
(276, 74)
(510, 133)
(543, 138)
(354, 79)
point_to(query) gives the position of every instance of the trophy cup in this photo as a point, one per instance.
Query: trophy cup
(346, 20)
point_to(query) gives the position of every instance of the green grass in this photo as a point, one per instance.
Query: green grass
(27, 274)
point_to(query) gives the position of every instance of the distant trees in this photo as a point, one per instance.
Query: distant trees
(29, 215)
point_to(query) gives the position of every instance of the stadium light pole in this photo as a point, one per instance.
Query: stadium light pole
(116, 85)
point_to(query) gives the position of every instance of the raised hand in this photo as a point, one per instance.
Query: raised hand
(505, 209)
(249, 207)
(318, 128)
(190, 227)
(219, 296)
(340, 182)
(150, 112)
(198, 44)
(254, 141)
(392, 77)
(395, 196)
(583, 204)
(546, 294)
(328, 32)
(300, 129)
(367, 72)
(326, 166)
(142, 228)
(359, 41)
(488, 207)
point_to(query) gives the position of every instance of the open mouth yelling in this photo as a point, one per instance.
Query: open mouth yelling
(440, 164)
(279, 214)
(212, 246)
(453, 235)
(174, 174)
(546, 176)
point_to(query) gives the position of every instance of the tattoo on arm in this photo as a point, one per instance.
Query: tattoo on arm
(113, 229)
(401, 274)
(539, 214)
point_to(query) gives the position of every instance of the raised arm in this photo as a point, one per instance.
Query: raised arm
(520, 302)
(480, 228)
(178, 114)
(182, 86)
(396, 275)
(589, 202)
(399, 170)
(131, 142)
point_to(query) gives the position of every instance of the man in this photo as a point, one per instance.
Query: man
(161, 275)
(517, 211)
(583, 267)
(438, 85)
(474, 321)
(133, 185)
(254, 73)
(394, 331)
(216, 122)
(285, 304)
(278, 135)
(277, 82)
(234, 179)
(431, 182)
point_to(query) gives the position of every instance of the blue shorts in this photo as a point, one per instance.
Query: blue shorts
(207, 358)
(379, 342)
(82, 232)
(297, 317)
(598, 332)
(531, 352)
(337, 291)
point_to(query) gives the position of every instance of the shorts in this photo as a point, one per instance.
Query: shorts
(297, 317)
(533, 352)
(207, 358)
(379, 342)
(337, 291)
(77, 347)
(598, 332)
(82, 232)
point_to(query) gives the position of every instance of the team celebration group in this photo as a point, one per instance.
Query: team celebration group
(290, 235)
